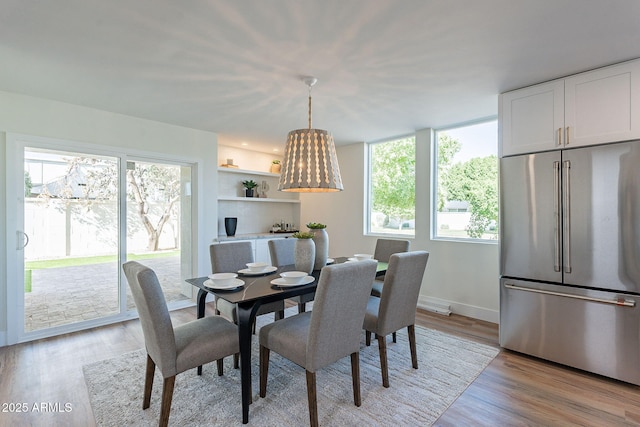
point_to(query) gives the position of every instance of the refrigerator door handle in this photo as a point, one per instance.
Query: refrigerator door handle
(566, 210)
(556, 213)
(619, 301)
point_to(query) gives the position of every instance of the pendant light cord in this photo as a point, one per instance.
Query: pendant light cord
(309, 107)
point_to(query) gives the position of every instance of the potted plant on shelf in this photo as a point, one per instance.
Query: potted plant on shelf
(275, 166)
(249, 185)
(304, 252)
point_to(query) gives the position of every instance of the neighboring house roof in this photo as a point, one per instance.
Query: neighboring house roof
(456, 206)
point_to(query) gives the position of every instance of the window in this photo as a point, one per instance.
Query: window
(466, 182)
(392, 187)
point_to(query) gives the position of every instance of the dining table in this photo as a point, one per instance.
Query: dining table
(257, 289)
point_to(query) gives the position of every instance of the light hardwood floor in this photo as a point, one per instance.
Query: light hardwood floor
(514, 390)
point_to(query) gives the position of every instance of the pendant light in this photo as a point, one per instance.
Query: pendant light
(310, 163)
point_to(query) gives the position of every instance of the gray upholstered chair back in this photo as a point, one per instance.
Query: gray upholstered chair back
(401, 289)
(281, 251)
(386, 247)
(338, 312)
(230, 257)
(154, 316)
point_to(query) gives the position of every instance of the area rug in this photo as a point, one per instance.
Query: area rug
(447, 365)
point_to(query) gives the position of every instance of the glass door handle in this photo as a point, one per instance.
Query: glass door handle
(21, 236)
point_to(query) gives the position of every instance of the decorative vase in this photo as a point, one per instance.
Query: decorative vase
(321, 240)
(304, 255)
(248, 192)
(230, 226)
(275, 168)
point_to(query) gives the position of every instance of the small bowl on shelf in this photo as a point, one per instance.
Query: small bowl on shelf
(257, 267)
(293, 276)
(362, 257)
(223, 279)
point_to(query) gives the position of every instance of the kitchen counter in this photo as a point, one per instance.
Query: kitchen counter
(252, 236)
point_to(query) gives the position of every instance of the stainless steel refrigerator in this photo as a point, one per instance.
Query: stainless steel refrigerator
(570, 257)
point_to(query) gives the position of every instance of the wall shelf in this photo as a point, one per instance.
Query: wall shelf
(254, 214)
(256, 199)
(248, 172)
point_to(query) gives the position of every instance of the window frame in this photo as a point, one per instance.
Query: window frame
(435, 183)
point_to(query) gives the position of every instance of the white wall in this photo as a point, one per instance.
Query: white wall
(247, 159)
(462, 275)
(45, 118)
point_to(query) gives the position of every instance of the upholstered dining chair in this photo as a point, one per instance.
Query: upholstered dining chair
(174, 350)
(396, 307)
(383, 251)
(281, 252)
(325, 335)
(230, 258)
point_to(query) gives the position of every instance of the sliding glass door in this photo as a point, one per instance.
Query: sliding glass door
(80, 215)
(159, 224)
(71, 223)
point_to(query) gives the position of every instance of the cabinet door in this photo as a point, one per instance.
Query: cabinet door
(532, 119)
(603, 105)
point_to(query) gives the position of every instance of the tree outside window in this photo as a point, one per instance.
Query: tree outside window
(467, 182)
(392, 186)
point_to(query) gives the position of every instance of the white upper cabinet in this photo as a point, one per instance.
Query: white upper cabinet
(603, 105)
(594, 107)
(531, 117)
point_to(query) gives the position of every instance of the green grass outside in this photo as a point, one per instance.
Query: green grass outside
(72, 262)
(27, 280)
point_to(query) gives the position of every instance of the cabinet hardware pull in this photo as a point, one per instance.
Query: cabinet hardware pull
(567, 137)
(559, 136)
(618, 301)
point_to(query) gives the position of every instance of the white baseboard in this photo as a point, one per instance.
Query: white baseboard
(445, 307)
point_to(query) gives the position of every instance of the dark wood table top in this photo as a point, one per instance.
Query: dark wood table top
(260, 287)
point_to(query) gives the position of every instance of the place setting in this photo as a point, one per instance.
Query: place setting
(360, 257)
(289, 279)
(257, 269)
(223, 282)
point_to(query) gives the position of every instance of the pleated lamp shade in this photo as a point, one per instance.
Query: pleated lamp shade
(310, 163)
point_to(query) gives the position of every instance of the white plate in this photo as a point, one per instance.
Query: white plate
(248, 272)
(281, 282)
(330, 261)
(233, 285)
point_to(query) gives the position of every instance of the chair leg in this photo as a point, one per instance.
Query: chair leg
(313, 399)
(411, 329)
(382, 346)
(167, 395)
(236, 361)
(220, 363)
(393, 335)
(367, 338)
(302, 307)
(279, 315)
(355, 377)
(264, 370)
(148, 382)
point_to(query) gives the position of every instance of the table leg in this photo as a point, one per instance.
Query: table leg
(246, 315)
(201, 299)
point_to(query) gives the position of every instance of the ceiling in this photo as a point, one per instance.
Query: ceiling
(385, 68)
